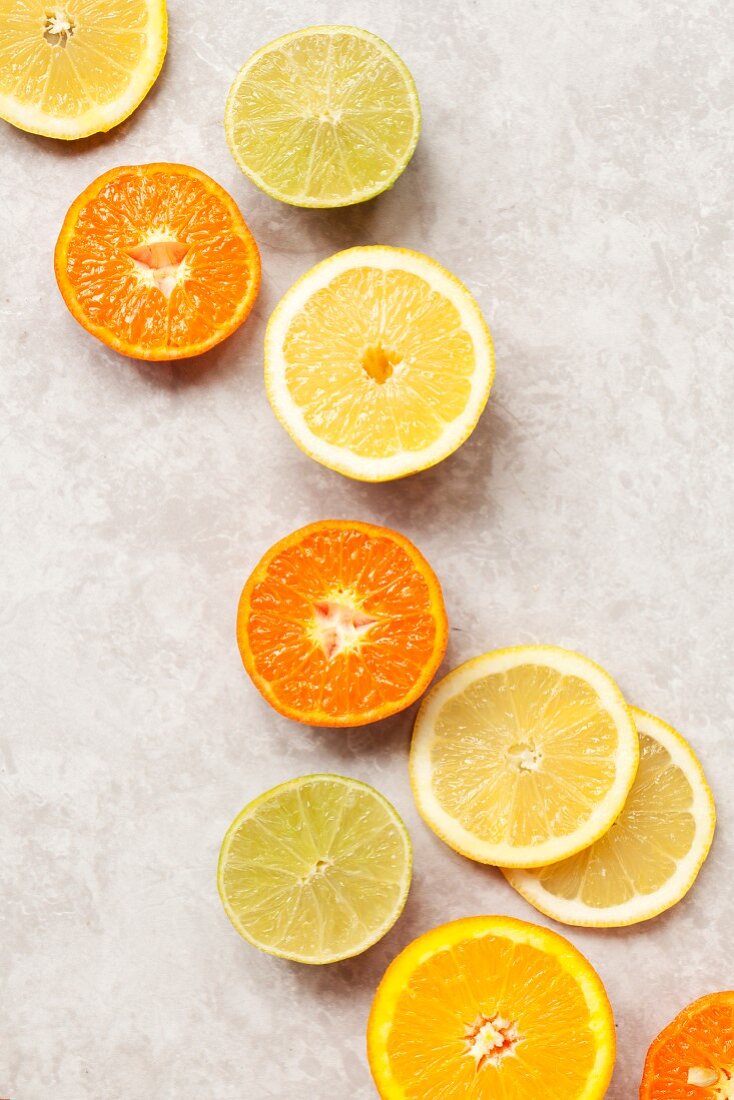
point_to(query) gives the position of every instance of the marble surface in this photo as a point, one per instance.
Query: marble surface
(575, 171)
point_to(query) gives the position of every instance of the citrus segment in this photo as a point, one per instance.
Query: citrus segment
(316, 869)
(523, 756)
(325, 116)
(157, 261)
(72, 69)
(693, 1057)
(650, 857)
(482, 1008)
(342, 623)
(378, 362)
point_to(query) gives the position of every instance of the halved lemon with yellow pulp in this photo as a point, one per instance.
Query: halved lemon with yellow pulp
(78, 67)
(378, 362)
(523, 756)
(650, 857)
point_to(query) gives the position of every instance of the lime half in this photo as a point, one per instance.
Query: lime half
(325, 116)
(316, 869)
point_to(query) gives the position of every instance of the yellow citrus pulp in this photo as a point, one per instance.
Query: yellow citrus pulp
(523, 756)
(77, 67)
(650, 857)
(378, 362)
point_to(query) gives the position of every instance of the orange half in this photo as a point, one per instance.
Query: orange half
(491, 1008)
(342, 623)
(693, 1057)
(157, 262)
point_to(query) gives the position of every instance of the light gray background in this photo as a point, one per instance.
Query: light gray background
(575, 171)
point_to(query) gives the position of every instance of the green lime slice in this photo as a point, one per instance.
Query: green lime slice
(316, 869)
(325, 116)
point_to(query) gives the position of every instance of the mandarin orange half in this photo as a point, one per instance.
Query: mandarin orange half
(693, 1057)
(157, 261)
(342, 623)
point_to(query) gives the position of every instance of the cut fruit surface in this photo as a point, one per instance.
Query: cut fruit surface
(378, 362)
(342, 623)
(650, 857)
(693, 1057)
(325, 116)
(157, 261)
(523, 756)
(72, 69)
(490, 1007)
(315, 870)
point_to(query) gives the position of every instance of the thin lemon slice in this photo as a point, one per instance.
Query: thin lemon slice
(315, 870)
(523, 756)
(491, 1008)
(77, 67)
(650, 857)
(378, 362)
(325, 116)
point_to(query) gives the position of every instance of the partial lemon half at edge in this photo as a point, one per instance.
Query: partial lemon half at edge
(523, 756)
(322, 117)
(378, 362)
(75, 68)
(316, 869)
(650, 857)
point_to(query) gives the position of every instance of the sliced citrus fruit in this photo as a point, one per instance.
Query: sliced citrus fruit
(342, 623)
(489, 1007)
(157, 262)
(378, 362)
(75, 68)
(523, 756)
(316, 870)
(693, 1057)
(325, 116)
(650, 857)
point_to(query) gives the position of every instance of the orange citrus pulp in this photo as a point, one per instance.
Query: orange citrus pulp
(487, 1008)
(157, 261)
(693, 1057)
(342, 623)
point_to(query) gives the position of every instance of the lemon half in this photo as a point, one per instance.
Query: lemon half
(378, 362)
(523, 756)
(78, 67)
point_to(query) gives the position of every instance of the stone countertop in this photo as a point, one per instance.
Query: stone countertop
(575, 171)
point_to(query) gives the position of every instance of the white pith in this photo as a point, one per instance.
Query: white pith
(288, 412)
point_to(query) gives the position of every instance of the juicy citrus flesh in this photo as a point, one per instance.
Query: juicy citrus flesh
(523, 756)
(489, 1007)
(378, 362)
(315, 870)
(342, 623)
(326, 116)
(693, 1057)
(650, 857)
(157, 261)
(77, 67)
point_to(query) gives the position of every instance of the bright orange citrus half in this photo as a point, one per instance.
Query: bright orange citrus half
(157, 261)
(491, 1008)
(342, 623)
(693, 1057)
